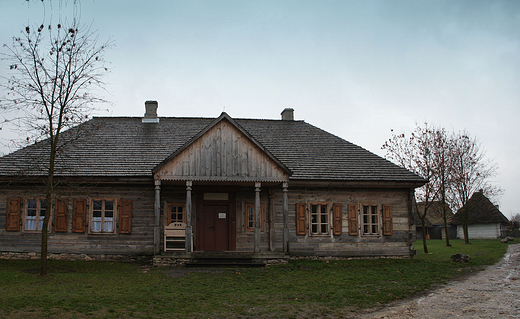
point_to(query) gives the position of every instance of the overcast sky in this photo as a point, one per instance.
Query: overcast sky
(354, 68)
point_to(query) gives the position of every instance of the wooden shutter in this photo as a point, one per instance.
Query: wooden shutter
(353, 228)
(388, 227)
(60, 216)
(13, 214)
(301, 219)
(337, 212)
(125, 216)
(79, 215)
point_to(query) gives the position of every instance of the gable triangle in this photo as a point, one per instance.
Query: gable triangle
(223, 151)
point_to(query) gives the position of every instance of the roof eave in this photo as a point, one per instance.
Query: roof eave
(355, 183)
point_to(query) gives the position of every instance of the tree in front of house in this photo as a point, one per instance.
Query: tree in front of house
(453, 163)
(415, 153)
(514, 225)
(442, 148)
(470, 172)
(53, 70)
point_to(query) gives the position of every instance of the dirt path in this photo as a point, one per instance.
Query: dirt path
(491, 293)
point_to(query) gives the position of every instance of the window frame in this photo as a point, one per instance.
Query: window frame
(319, 224)
(168, 213)
(371, 223)
(103, 210)
(247, 214)
(37, 219)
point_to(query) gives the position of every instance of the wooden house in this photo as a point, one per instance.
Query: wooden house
(434, 221)
(178, 187)
(484, 219)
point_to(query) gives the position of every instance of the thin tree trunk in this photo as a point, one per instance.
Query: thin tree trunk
(466, 233)
(465, 224)
(48, 211)
(424, 236)
(446, 234)
(43, 252)
(444, 218)
(49, 190)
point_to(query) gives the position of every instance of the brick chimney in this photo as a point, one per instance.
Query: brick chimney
(150, 116)
(288, 114)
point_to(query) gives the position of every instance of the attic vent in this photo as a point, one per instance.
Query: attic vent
(288, 115)
(150, 116)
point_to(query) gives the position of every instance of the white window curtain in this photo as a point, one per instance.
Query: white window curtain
(109, 223)
(30, 223)
(96, 223)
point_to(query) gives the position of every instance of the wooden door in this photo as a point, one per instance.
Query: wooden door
(214, 228)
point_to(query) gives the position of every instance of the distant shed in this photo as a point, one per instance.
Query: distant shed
(484, 218)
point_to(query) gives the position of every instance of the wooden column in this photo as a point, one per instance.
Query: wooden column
(272, 245)
(157, 221)
(285, 186)
(257, 217)
(188, 217)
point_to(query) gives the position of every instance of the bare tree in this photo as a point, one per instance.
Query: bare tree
(415, 153)
(471, 172)
(54, 71)
(514, 225)
(443, 166)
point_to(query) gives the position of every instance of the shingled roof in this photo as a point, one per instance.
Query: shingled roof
(434, 215)
(125, 146)
(480, 211)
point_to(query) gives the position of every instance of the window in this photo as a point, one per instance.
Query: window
(35, 214)
(370, 219)
(319, 217)
(103, 213)
(176, 213)
(250, 217)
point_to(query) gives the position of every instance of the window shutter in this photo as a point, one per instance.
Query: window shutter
(388, 227)
(13, 214)
(60, 217)
(353, 220)
(301, 219)
(125, 217)
(337, 212)
(79, 218)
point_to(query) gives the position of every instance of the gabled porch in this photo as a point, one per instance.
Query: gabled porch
(222, 172)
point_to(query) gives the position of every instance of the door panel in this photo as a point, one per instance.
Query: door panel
(214, 228)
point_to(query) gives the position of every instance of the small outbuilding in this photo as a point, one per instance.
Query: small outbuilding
(434, 221)
(484, 218)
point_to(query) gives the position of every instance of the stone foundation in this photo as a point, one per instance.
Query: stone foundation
(331, 258)
(74, 257)
(160, 261)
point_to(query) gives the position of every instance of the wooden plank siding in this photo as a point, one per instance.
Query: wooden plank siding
(397, 244)
(139, 242)
(245, 238)
(222, 153)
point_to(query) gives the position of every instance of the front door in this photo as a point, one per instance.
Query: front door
(213, 226)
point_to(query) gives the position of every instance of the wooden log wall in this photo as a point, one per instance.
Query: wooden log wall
(245, 238)
(397, 244)
(138, 242)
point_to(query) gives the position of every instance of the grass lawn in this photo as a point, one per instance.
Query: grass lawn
(300, 289)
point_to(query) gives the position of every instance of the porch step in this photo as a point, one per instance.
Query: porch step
(224, 262)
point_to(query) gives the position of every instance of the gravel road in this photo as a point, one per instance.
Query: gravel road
(491, 293)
